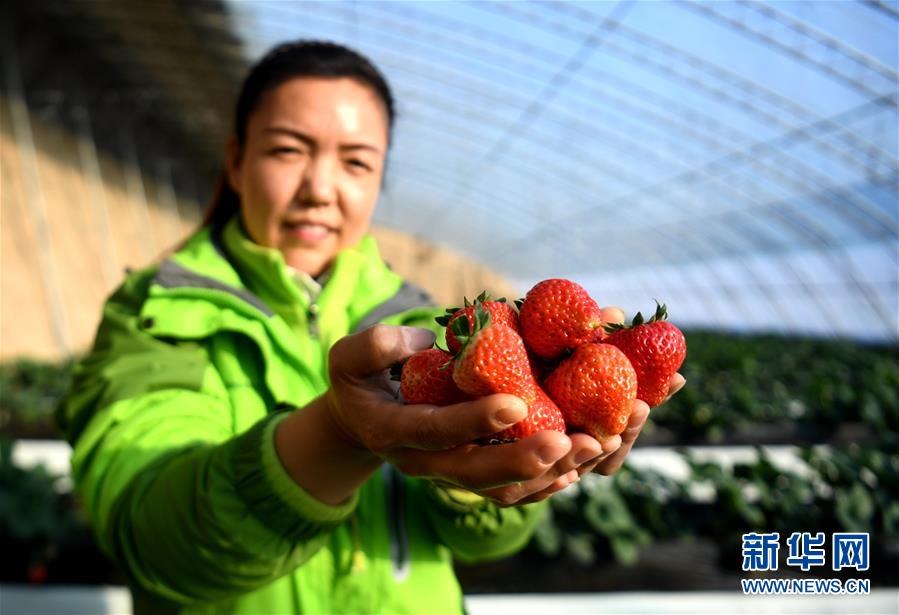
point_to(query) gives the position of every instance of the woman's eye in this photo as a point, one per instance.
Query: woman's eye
(359, 165)
(284, 151)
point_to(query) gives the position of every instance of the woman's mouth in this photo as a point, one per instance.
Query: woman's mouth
(307, 231)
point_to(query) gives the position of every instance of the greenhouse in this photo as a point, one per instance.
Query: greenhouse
(737, 161)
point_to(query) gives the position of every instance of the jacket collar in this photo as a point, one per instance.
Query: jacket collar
(255, 280)
(262, 269)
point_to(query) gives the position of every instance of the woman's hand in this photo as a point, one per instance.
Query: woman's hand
(340, 439)
(436, 442)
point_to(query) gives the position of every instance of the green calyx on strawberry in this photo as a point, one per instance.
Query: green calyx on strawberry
(661, 313)
(558, 315)
(491, 358)
(656, 349)
(499, 311)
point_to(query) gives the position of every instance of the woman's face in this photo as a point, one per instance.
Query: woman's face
(310, 169)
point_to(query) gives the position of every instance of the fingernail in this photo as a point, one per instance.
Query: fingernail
(511, 414)
(586, 455)
(551, 453)
(418, 338)
(611, 445)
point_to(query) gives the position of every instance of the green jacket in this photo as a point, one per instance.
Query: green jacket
(172, 414)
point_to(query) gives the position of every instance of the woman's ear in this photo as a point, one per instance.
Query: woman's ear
(232, 163)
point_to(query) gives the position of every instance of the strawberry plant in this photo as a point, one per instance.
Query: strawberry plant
(738, 384)
(848, 489)
(29, 393)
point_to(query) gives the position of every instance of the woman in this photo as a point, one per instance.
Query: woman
(232, 422)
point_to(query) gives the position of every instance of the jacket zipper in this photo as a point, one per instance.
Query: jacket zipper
(312, 316)
(396, 521)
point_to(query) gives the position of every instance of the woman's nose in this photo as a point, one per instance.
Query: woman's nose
(319, 182)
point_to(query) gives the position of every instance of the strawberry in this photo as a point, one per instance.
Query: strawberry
(541, 368)
(493, 359)
(427, 378)
(558, 315)
(499, 310)
(595, 389)
(656, 349)
(543, 414)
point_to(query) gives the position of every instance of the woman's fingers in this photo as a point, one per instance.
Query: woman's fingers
(480, 468)
(584, 451)
(375, 349)
(676, 383)
(525, 494)
(612, 315)
(434, 441)
(427, 427)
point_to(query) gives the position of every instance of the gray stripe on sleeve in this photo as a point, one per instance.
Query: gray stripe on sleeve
(173, 275)
(407, 297)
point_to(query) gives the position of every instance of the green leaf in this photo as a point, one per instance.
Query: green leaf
(626, 547)
(547, 536)
(891, 519)
(854, 509)
(580, 548)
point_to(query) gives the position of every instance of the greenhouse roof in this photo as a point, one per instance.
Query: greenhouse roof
(737, 160)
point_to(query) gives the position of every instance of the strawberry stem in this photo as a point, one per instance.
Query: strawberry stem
(464, 329)
(661, 314)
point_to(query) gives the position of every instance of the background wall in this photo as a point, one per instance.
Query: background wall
(75, 217)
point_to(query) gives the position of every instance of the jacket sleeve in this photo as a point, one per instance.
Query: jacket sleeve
(192, 510)
(470, 526)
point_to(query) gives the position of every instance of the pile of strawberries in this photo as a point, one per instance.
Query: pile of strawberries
(575, 372)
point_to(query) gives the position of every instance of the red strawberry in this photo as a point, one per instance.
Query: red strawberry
(427, 378)
(595, 389)
(492, 359)
(557, 315)
(541, 368)
(499, 310)
(656, 349)
(543, 415)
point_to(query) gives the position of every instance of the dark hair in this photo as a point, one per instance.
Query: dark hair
(282, 63)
